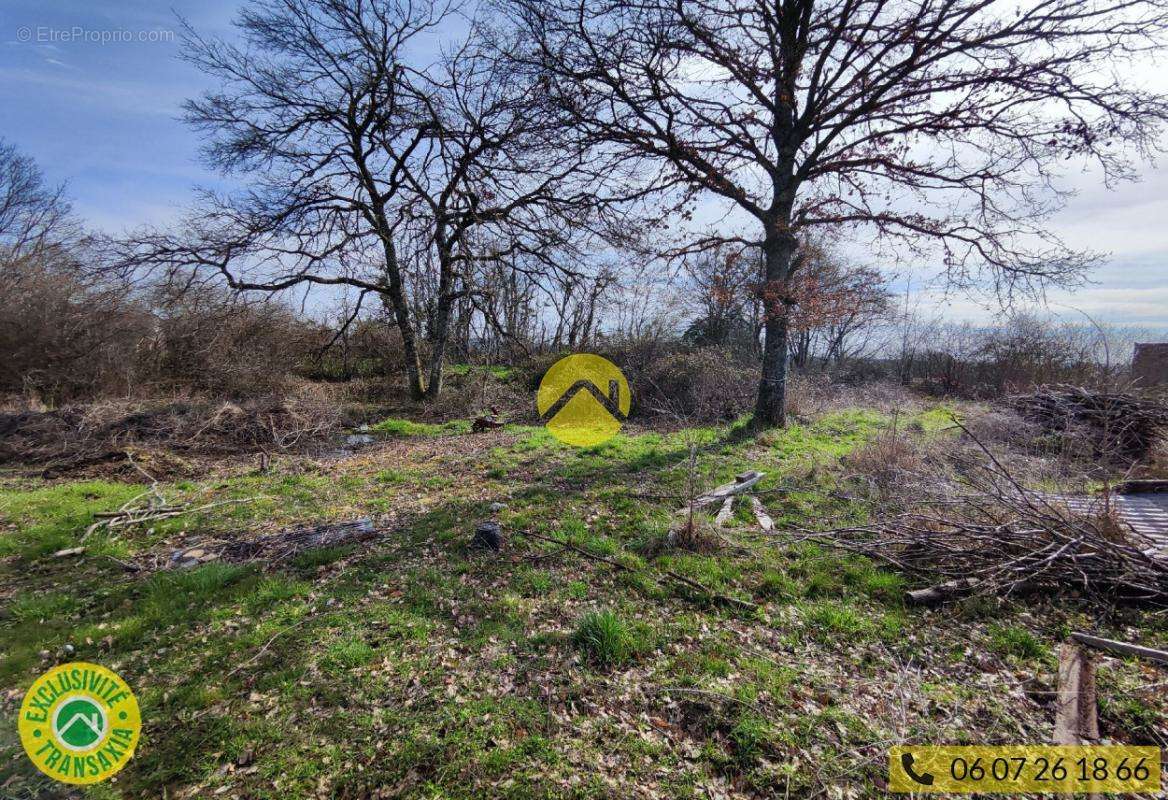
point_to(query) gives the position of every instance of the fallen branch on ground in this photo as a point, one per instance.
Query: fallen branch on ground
(156, 507)
(739, 485)
(1121, 648)
(287, 544)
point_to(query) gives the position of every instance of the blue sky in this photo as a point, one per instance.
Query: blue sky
(104, 116)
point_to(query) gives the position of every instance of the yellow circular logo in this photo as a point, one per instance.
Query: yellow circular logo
(79, 723)
(583, 399)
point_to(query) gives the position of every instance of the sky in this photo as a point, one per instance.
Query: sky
(92, 89)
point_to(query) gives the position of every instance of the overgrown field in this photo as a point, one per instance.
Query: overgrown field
(416, 666)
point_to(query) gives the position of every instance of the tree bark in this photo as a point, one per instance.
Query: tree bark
(438, 346)
(401, 315)
(770, 411)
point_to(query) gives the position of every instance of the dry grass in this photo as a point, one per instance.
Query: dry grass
(83, 434)
(696, 536)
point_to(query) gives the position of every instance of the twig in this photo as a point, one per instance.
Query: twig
(268, 643)
(691, 583)
(712, 694)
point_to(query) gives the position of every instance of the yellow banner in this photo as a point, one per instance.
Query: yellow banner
(1024, 768)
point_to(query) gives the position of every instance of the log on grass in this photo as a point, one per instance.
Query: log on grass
(740, 484)
(941, 593)
(282, 545)
(725, 512)
(1121, 648)
(764, 520)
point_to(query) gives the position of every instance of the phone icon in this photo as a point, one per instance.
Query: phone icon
(906, 761)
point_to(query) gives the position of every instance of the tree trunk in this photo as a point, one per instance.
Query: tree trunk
(401, 314)
(440, 321)
(770, 411)
(438, 346)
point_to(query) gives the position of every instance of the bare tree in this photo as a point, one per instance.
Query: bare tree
(61, 334)
(367, 161)
(937, 122)
(832, 301)
(34, 216)
(722, 283)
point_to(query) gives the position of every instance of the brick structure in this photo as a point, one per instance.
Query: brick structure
(1150, 364)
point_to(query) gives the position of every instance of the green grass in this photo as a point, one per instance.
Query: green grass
(835, 622)
(347, 654)
(1009, 640)
(605, 639)
(498, 371)
(404, 427)
(40, 607)
(54, 517)
(416, 663)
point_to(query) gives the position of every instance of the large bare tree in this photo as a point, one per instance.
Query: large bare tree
(373, 150)
(939, 123)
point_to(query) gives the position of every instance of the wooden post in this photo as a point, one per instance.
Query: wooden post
(1076, 716)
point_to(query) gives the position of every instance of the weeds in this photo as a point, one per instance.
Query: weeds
(1014, 641)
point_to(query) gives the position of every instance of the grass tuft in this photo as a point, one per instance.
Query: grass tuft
(605, 639)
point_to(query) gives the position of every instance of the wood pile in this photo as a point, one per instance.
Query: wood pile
(1046, 551)
(995, 536)
(1120, 423)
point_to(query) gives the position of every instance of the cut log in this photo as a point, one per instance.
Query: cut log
(764, 520)
(941, 593)
(69, 551)
(1076, 715)
(725, 512)
(1121, 648)
(741, 484)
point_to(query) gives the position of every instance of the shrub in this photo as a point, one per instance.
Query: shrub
(702, 385)
(63, 337)
(212, 340)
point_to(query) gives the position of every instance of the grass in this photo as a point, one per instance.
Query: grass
(498, 371)
(418, 664)
(605, 639)
(1009, 640)
(404, 427)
